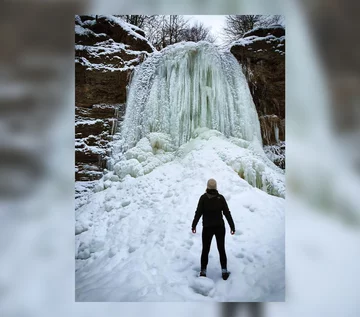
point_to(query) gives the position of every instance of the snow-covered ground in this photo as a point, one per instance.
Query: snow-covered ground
(134, 241)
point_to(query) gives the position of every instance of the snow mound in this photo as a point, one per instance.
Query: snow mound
(149, 153)
(245, 158)
(203, 286)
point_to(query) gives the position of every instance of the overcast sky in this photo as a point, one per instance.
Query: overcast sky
(215, 22)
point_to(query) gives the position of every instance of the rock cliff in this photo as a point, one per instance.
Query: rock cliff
(261, 52)
(106, 51)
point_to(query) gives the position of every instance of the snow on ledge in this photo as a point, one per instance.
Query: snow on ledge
(271, 27)
(251, 39)
(127, 27)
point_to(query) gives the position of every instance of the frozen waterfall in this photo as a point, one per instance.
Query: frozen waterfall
(188, 86)
(178, 100)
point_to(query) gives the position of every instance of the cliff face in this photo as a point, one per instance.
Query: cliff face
(106, 52)
(261, 52)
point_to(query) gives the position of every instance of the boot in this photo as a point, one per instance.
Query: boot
(225, 274)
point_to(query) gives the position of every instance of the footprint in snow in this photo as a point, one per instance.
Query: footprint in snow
(132, 249)
(189, 243)
(112, 252)
(148, 231)
(196, 268)
(125, 203)
(249, 259)
(168, 194)
(251, 208)
(257, 257)
(240, 256)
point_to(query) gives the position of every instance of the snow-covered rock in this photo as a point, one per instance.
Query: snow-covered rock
(276, 153)
(261, 52)
(106, 51)
(94, 127)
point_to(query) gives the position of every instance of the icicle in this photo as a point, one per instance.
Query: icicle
(276, 131)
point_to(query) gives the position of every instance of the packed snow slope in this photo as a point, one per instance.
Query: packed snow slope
(133, 232)
(134, 241)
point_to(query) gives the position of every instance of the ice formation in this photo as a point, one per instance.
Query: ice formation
(187, 86)
(179, 99)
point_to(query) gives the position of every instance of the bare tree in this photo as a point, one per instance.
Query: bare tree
(197, 33)
(175, 27)
(267, 20)
(156, 32)
(164, 30)
(238, 25)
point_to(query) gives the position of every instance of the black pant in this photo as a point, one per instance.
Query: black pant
(207, 235)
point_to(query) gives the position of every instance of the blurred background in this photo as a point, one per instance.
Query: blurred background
(37, 158)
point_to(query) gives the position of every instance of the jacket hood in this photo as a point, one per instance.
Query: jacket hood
(212, 193)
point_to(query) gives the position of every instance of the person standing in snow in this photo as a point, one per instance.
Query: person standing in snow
(212, 206)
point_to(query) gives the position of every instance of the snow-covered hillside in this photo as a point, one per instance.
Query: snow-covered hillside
(133, 230)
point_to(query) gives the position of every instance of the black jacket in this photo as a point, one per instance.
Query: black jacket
(212, 206)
